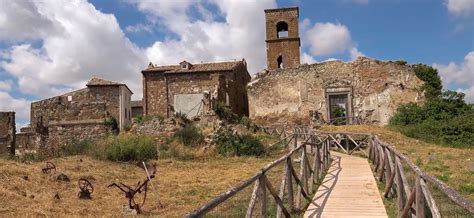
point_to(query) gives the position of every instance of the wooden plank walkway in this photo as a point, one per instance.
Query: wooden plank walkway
(348, 190)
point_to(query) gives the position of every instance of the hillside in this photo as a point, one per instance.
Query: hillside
(179, 187)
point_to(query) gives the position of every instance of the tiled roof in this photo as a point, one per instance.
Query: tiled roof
(102, 82)
(204, 67)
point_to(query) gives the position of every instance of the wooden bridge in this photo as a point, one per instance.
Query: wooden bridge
(329, 175)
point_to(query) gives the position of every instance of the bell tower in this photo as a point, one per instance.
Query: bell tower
(283, 40)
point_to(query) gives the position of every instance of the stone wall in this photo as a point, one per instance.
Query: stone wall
(154, 94)
(7, 133)
(79, 115)
(376, 90)
(60, 135)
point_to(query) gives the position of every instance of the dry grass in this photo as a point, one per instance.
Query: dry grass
(448, 164)
(179, 187)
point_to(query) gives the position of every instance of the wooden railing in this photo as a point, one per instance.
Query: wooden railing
(413, 199)
(294, 187)
(404, 181)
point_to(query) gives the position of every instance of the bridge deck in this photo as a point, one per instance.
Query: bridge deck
(348, 190)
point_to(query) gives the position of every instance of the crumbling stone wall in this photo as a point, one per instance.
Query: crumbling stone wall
(377, 89)
(79, 114)
(7, 133)
(27, 141)
(64, 133)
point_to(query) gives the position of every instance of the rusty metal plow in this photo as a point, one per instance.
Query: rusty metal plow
(132, 193)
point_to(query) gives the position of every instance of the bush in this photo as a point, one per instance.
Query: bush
(77, 147)
(112, 123)
(444, 118)
(130, 148)
(225, 113)
(189, 135)
(231, 144)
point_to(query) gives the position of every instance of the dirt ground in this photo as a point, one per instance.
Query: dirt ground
(179, 187)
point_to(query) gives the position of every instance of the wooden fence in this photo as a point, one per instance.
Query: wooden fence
(411, 188)
(413, 199)
(313, 158)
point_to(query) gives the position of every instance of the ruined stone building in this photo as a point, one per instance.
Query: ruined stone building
(362, 91)
(80, 114)
(194, 89)
(7, 133)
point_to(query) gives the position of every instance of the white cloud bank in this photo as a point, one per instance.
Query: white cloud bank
(325, 39)
(78, 42)
(460, 7)
(239, 34)
(459, 73)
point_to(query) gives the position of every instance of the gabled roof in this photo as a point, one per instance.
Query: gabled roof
(204, 67)
(103, 82)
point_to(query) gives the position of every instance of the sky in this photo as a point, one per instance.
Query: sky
(48, 48)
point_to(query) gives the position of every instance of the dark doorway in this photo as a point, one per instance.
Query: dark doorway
(280, 62)
(338, 106)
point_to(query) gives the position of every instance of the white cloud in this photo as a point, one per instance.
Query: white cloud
(307, 59)
(459, 73)
(324, 39)
(241, 34)
(355, 53)
(89, 43)
(460, 7)
(20, 106)
(6, 85)
(139, 28)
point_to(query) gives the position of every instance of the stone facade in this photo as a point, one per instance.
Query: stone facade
(204, 85)
(370, 90)
(283, 41)
(7, 133)
(79, 114)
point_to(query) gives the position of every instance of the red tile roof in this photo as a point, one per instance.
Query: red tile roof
(204, 67)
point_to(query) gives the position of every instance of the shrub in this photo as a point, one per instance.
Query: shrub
(141, 119)
(231, 144)
(189, 135)
(444, 118)
(225, 113)
(112, 123)
(77, 147)
(130, 148)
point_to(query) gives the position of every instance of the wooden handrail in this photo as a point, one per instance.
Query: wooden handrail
(387, 164)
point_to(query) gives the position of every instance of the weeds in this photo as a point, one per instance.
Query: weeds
(229, 144)
(190, 135)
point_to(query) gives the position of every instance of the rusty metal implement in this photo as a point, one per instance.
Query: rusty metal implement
(86, 189)
(136, 196)
(48, 168)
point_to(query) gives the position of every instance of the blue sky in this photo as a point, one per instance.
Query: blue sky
(48, 48)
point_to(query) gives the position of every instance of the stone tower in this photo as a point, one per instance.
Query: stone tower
(283, 41)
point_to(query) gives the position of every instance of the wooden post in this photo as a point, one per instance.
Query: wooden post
(263, 199)
(289, 183)
(420, 201)
(275, 196)
(400, 187)
(281, 194)
(429, 200)
(253, 199)
(296, 141)
(410, 200)
(302, 178)
(318, 161)
(382, 165)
